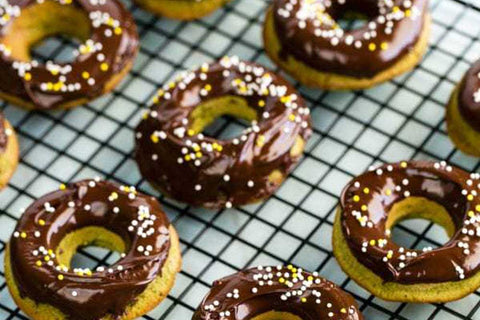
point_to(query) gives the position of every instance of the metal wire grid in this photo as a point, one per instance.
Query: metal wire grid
(402, 119)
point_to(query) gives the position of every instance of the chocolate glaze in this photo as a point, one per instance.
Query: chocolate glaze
(341, 54)
(118, 39)
(89, 297)
(235, 299)
(232, 172)
(3, 134)
(450, 187)
(469, 109)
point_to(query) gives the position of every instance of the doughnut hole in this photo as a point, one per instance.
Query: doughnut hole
(274, 315)
(87, 237)
(419, 208)
(35, 24)
(207, 112)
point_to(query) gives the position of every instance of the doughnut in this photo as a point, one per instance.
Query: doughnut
(38, 267)
(109, 44)
(374, 202)
(8, 151)
(305, 39)
(279, 292)
(181, 9)
(463, 113)
(177, 158)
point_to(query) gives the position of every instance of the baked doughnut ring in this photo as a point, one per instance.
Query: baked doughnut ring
(92, 212)
(273, 293)
(8, 151)
(463, 113)
(374, 202)
(181, 9)
(175, 156)
(304, 38)
(109, 46)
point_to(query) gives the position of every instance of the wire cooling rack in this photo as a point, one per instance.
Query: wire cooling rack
(402, 119)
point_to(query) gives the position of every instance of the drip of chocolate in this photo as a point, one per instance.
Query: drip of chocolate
(3, 134)
(469, 97)
(84, 294)
(205, 171)
(111, 47)
(250, 293)
(309, 32)
(368, 199)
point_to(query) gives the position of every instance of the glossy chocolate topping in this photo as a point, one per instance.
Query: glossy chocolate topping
(309, 32)
(111, 48)
(252, 292)
(85, 294)
(366, 203)
(3, 134)
(469, 96)
(204, 171)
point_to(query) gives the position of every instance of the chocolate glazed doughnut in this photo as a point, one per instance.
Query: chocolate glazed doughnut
(109, 45)
(37, 262)
(374, 202)
(463, 113)
(305, 39)
(176, 157)
(8, 151)
(268, 293)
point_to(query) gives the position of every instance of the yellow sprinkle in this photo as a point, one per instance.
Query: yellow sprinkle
(477, 207)
(38, 263)
(208, 87)
(60, 277)
(396, 9)
(304, 299)
(408, 13)
(384, 46)
(289, 267)
(366, 191)
(471, 214)
(54, 72)
(310, 278)
(171, 85)
(356, 198)
(190, 132)
(27, 76)
(104, 66)
(373, 242)
(154, 138)
(188, 157)
(62, 186)
(388, 192)
(470, 197)
(291, 117)
(281, 280)
(260, 140)
(343, 310)
(23, 235)
(118, 31)
(46, 258)
(41, 222)
(196, 147)
(85, 75)
(403, 164)
(261, 103)
(364, 208)
(372, 46)
(198, 154)
(390, 254)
